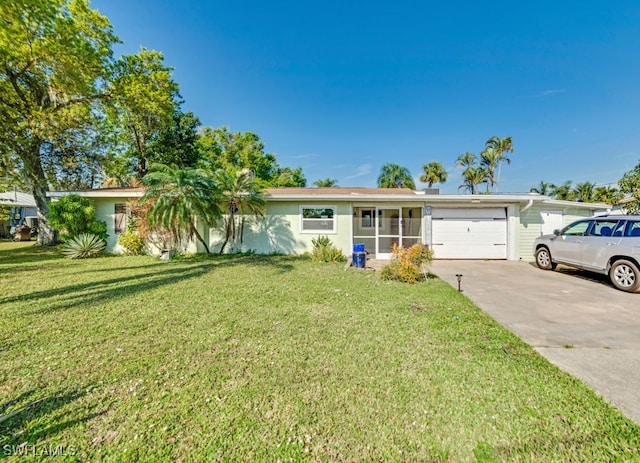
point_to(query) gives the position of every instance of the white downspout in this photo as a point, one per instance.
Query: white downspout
(529, 204)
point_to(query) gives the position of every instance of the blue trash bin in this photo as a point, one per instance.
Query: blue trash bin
(359, 257)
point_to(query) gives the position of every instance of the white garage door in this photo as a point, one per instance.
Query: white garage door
(469, 233)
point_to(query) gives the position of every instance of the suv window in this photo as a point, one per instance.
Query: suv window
(577, 229)
(633, 228)
(606, 228)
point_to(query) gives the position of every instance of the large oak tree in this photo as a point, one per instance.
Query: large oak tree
(57, 77)
(54, 57)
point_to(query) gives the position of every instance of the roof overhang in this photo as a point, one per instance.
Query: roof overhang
(366, 196)
(101, 193)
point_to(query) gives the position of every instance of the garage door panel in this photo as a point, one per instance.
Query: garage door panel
(469, 233)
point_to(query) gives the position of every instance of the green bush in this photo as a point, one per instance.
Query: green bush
(73, 215)
(409, 264)
(325, 251)
(132, 240)
(82, 246)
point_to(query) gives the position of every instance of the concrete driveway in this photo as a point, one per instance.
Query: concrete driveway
(575, 319)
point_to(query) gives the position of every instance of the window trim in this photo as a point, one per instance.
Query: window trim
(124, 218)
(333, 231)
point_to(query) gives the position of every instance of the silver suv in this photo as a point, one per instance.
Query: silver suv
(609, 245)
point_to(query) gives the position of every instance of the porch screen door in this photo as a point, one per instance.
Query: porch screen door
(388, 230)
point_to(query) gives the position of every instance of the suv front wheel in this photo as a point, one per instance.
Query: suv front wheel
(625, 275)
(543, 259)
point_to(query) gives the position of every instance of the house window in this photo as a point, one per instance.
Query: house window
(318, 219)
(368, 216)
(120, 217)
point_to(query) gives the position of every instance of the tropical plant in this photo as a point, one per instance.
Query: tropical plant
(240, 196)
(543, 188)
(434, 172)
(472, 178)
(583, 192)
(133, 242)
(326, 182)
(498, 147)
(630, 185)
(607, 195)
(467, 160)
(325, 251)
(472, 175)
(73, 215)
(489, 160)
(395, 176)
(83, 245)
(178, 199)
(562, 192)
(409, 265)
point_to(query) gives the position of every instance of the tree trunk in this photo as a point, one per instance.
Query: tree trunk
(195, 232)
(228, 235)
(34, 172)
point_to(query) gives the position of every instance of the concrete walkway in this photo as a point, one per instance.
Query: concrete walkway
(577, 320)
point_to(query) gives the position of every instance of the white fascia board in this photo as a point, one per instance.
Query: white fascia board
(576, 204)
(418, 198)
(98, 194)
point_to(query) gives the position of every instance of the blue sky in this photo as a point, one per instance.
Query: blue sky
(341, 87)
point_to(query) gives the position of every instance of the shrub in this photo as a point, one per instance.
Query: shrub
(82, 246)
(73, 215)
(325, 251)
(132, 242)
(409, 264)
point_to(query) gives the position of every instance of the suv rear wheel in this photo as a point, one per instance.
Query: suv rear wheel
(625, 275)
(543, 259)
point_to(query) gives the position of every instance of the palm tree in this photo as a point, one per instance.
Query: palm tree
(326, 182)
(607, 195)
(473, 176)
(395, 176)
(500, 146)
(489, 159)
(562, 192)
(466, 160)
(434, 172)
(241, 196)
(179, 198)
(583, 192)
(543, 188)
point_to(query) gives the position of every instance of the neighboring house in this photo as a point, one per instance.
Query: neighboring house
(499, 226)
(22, 208)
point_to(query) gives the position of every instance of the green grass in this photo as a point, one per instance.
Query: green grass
(275, 359)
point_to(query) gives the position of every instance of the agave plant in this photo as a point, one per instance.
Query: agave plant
(82, 246)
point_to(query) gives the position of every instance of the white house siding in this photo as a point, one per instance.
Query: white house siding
(280, 230)
(530, 223)
(105, 210)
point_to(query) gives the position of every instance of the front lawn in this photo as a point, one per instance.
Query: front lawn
(274, 359)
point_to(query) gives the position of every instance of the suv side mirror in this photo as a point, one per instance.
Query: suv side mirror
(556, 232)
